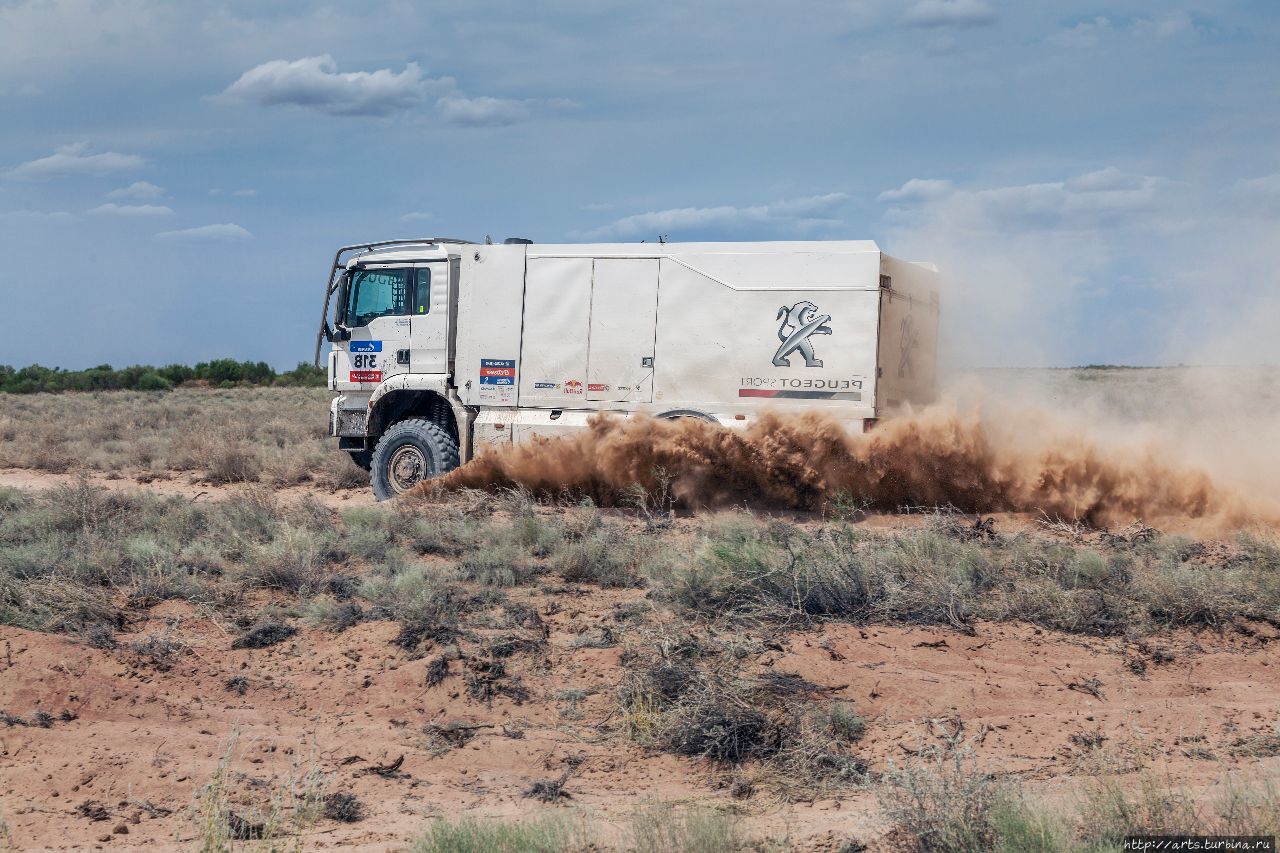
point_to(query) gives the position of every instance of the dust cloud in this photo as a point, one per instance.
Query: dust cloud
(978, 459)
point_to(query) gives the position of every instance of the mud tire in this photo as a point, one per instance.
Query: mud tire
(409, 452)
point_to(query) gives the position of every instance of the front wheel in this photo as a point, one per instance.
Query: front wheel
(408, 453)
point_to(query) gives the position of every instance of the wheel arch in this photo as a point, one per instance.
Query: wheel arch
(402, 404)
(676, 414)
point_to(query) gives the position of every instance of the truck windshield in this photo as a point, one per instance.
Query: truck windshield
(376, 293)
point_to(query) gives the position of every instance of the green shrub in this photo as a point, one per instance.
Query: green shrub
(153, 381)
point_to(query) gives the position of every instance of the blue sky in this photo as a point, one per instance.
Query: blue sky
(1100, 182)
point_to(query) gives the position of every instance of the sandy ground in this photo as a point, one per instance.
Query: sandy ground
(181, 485)
(140, 743)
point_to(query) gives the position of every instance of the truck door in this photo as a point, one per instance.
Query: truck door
(377, 315)
(429, 318)
(624, 305)
(557, 322)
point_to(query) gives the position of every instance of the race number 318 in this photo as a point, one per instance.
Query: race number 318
(364, 361)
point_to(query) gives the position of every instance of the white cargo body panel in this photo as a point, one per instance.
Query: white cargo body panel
(490, 314)
(740, 349)
(624, 305)
(557, 328)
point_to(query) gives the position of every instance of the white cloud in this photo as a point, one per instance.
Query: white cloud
(247, 193)
(75, 159)
(417, 216)
(112, 209)
(917, 189)
(1165, 26)
(222, 231)
(482, 111)
(949, 13)
(1083, 34)
(1258, 196)
(315, 83)
(1267, 185)
(37, 216)
(790, 215)
(138, 190)
(1082, 201)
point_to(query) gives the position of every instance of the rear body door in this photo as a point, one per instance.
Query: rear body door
(624, 305)
(557, 323)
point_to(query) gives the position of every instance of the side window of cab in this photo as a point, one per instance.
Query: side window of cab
(422, 291)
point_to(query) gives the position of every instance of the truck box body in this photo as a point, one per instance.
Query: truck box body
(538, 337)
(696, 327)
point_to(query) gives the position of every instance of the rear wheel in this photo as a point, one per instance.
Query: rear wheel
(408, 453)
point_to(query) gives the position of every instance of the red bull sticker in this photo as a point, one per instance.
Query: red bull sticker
(572, 386)
(366, 376)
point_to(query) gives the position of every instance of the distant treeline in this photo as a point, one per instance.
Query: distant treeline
(220, 373)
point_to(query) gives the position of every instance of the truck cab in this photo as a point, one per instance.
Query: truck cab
(390, 314)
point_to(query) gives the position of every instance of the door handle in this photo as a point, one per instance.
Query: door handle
(647, 361)
(402, 356)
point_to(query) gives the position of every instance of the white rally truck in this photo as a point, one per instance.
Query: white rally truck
(444, 348)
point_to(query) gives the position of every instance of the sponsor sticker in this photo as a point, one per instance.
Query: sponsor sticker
(366, 376)
(497, 371)
(546, 386)
(596, 386)
(788, 388)
(572, 386)
(365, 346)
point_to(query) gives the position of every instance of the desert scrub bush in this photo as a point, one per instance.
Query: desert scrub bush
(1154, 804)
(151, 434)
(696, 699)
(426, 602)
(749, 568)
(370, 533)
(66, 553)
(332, 615)
(295, 561)
(666, 828)
(745, 567)
(548, 834)
(606, 555)
(502, 564)
(845, 723)
(338, 472)
(229, 808)
(942, 802)
(233, 463)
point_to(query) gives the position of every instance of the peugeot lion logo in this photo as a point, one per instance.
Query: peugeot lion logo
(801, 321)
